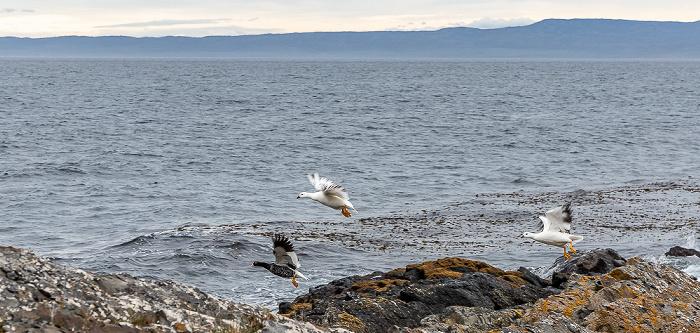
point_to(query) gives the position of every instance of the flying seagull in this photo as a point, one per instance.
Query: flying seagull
(556, 229)
(329, 194)
(286, 261)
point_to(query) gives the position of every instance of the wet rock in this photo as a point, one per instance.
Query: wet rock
(531, 277)
(402, 298)
(678, 251)
(37, 295)
(594, 262)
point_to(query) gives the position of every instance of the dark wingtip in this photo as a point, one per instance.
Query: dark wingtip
(567, 207)
(283, 241)
(566, 212)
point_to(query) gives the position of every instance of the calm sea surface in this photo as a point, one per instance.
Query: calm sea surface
(103, 162)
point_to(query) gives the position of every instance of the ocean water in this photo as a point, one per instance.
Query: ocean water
(182, 168)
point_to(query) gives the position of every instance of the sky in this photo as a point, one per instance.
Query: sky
(156, 18)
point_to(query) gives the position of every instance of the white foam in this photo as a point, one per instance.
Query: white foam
(690, 265)
(690, 240)
(693, 270)
(694, 262)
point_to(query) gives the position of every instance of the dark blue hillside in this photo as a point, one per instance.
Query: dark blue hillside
(554, 38)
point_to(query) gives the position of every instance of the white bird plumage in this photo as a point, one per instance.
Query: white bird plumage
(329, 194)
(556, 229)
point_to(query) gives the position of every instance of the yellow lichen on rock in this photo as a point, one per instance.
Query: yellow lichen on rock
(453, 268)
(633, 298)
(396, 272)
(376, 285)
(349, 322)
(618, 275)
(294, 307)
(514, 277)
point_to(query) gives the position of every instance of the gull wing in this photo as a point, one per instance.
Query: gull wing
(559, 219)
(326, 186)
(284, 251)
(544, 224)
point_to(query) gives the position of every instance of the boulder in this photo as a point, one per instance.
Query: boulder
(590, 263)
(404, 297)
(638, 297)
(678, 251)
(600, 292)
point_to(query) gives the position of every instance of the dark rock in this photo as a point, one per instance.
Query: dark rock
(403, 297)
(637, 297)
(590, 263)
(532, 278)
(678, 251)
(413, 275)
(285, 307)
(12, 275)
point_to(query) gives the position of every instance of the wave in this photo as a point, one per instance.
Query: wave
(134, 241)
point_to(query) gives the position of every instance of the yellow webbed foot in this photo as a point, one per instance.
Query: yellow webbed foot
(568, 257)
(294, 281)
(345, 211)
(572, 248)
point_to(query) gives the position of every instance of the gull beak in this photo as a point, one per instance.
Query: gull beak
(298, 197)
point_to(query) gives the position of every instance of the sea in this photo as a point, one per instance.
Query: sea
(183, 169)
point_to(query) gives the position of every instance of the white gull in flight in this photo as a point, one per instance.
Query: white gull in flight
(556, 229)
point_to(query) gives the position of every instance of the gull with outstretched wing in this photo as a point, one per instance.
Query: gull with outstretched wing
(286, 261)
(329, 194)
(556, 229)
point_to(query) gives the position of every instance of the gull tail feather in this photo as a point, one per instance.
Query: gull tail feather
(576, 238)
(298, 274)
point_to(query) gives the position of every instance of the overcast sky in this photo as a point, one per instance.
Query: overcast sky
(139, 18)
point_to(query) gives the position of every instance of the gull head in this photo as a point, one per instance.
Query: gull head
(303, 195)
(528, 235)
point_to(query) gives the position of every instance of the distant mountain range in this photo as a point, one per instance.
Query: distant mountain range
(554, 38)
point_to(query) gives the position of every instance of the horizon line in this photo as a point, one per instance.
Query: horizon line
(351, 31)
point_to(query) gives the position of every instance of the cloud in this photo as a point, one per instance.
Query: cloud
(13, 10)
(189, 31)
(190, 28)
(162, 23)
(488, 23)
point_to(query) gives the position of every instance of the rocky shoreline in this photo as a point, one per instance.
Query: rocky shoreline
(596, 291)
(37, 295)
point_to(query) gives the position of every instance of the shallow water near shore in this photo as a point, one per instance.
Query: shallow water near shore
(183, 169)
